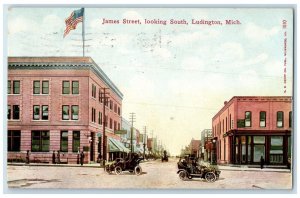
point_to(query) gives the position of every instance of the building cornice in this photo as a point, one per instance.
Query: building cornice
(253, 99)
(61, 63)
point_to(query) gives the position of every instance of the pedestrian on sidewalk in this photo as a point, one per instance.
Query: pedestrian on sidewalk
(53, 157)
(262, 162)
(58, 157)
(81, 157)
(27, 157)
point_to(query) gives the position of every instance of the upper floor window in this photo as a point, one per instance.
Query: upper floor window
(230, 126)
(66, 87)
(16, 112)
(75, 87)
(290, 119)
(111, 103)
(66, 112)
(44, 112)
(8, 87)
(93, 115)
(37, 114)
(93, 91)
(100, 118)
(262, 119)
(280, 123)
(115, 108)
(45, 87)
(248, 119)
(8, 112)
(36, 87)
(110, 123)
(15, 87)
(100, 95)
(115, 125)
(13, 113)
(119, 111)
(75, 111)
(105, 120)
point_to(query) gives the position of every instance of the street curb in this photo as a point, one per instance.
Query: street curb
(56, 165)
(257, 170)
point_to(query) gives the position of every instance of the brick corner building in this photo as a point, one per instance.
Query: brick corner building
(56, 104)
(248, 127)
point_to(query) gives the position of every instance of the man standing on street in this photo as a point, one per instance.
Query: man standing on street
(81, 157)
(262, 161)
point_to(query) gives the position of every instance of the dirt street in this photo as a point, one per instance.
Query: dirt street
(156, 175)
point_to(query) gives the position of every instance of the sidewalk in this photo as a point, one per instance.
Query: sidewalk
(220, 167)
(246, 168)
(91, 165)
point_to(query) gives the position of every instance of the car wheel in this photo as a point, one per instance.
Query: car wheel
(138, 170)
(118, 170)
(210, 177)
(183, 175)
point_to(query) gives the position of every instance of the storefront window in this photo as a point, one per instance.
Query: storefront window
(243, 141)
(276, 150)
(259, 139)
(237, 160)
(289, 147)
(64, 141)
(76, 141)
(249, 148)
(40, 141)
(14, 140)
(259, 148)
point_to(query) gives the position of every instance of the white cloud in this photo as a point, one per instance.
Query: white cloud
(162, 52)
(258, 33)
(20, 24)
(187, 38)
(52, 23)
(261, 58)
(96, 25)
(192, 63)
(229, 52)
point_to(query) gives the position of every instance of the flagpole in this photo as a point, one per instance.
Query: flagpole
(83, 18)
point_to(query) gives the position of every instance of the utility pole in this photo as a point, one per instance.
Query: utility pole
(104, 100)
(145, 139)
(132, 119)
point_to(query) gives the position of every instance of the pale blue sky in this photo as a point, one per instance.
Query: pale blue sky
(174, 77)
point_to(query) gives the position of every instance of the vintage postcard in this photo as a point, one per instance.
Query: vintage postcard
(149, 98)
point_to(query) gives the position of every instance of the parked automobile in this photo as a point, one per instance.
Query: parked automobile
(130, 164)
(189, 168)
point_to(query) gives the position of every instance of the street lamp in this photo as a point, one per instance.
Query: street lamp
(214, 153)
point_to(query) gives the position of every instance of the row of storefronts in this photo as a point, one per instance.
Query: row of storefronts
(249, 129)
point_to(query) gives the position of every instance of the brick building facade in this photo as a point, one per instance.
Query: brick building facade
(56, 104)
(247, 128)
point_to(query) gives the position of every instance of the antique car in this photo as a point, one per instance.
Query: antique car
(164, 157)
(130, 164)
(189, 168)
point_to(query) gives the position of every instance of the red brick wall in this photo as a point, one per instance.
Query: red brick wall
(26, 99)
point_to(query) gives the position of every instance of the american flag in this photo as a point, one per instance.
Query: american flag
(72, 21)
